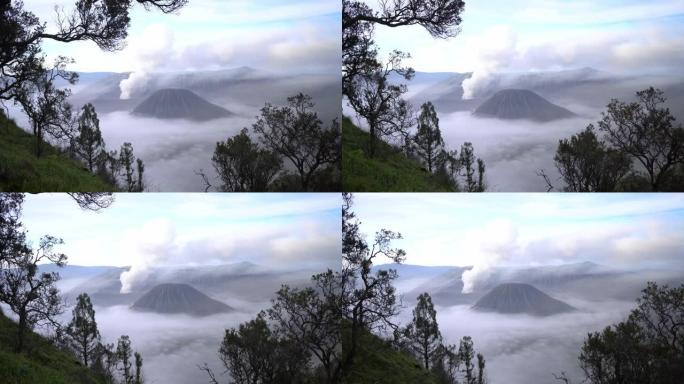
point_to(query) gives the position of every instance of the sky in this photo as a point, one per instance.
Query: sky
(619, 36)
(281, 231)
(627, 231)
(295, 36)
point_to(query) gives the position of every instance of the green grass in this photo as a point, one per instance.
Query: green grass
(41, 363)
(380, 363)
(22, 171)
(388, 171)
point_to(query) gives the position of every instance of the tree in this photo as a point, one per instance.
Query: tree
(379, 101)
(138, 368)
(646, 348)
(466, 353)
(82, 331)
(89, 144)
(472, 183)
(133, 178)
(646, 132)
(12, 233)
(123, 355)
(92, 201)
(253, 354)
(428, 139)
(423, 331)
(296, 133)
(587, 164)
(480, 369)
(243, 166)
(46, 105)
(31, 295)
(105, 361)
(311, 318)
(440, 18)
(103, 22)
(368, 300)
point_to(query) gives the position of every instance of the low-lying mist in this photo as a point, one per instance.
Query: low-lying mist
(513, 150)
(173, 150)
(524, 349)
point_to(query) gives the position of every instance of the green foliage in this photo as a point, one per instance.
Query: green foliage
(379, 362)
(389, 171)
(646, 348)
(21, 170)
(41, 363)
(84, 336)
(423, 332)
(243, 166)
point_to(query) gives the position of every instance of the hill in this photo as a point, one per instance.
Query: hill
(380, 363)
(389, 171)
(41, 363)
(179, 298)
(21, 170)
(520, 298)
(174, 103)
(510, 104)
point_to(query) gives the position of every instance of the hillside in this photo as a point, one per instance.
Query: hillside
(510, 104)
(179, 298)
(179, 104)
(389, 171)
(42, 363)
(520, 298)
(21, 170)
(379, 363)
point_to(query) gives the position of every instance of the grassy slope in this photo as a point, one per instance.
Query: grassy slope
(22, 171)
(389, 171)
(379, 363)
(43, 363)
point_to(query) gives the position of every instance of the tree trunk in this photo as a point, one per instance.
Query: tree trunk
(21, 333)
(372, 140)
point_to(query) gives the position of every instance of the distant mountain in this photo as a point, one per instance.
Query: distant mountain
(510, 104)
(173, 103)
(179, 298)
(520, 298)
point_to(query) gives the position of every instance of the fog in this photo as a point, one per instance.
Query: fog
(513, 151)
(171, 345)
(520, 348)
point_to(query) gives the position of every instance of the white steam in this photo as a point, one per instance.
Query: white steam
(497, 49)
(153, 50)
(496, 242)
(151, 245)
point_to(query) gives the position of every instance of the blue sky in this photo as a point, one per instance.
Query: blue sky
(193, 229)
(622, 36)
(296, 35)
(621, 230)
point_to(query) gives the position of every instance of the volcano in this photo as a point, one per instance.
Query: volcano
(511, 104)
(177, 299)
(179, 104)
(520, 298)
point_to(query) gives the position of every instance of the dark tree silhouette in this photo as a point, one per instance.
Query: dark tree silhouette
(92, 201)
(133, 169)
(244, 167)
(379, 101)
(646, 348)
(89, 144)
(32, 295)
(123, 355)
(473, 178)
(296, 133)
(84, 337)
(46, 105)
(646, 132)
(12, 233)
(369, 299)
(428, 139)
(423, 332)
(587, 164)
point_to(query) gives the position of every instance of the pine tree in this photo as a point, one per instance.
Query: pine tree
(89, 144)
(423, 332)
(428, 139)
(82, 331)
